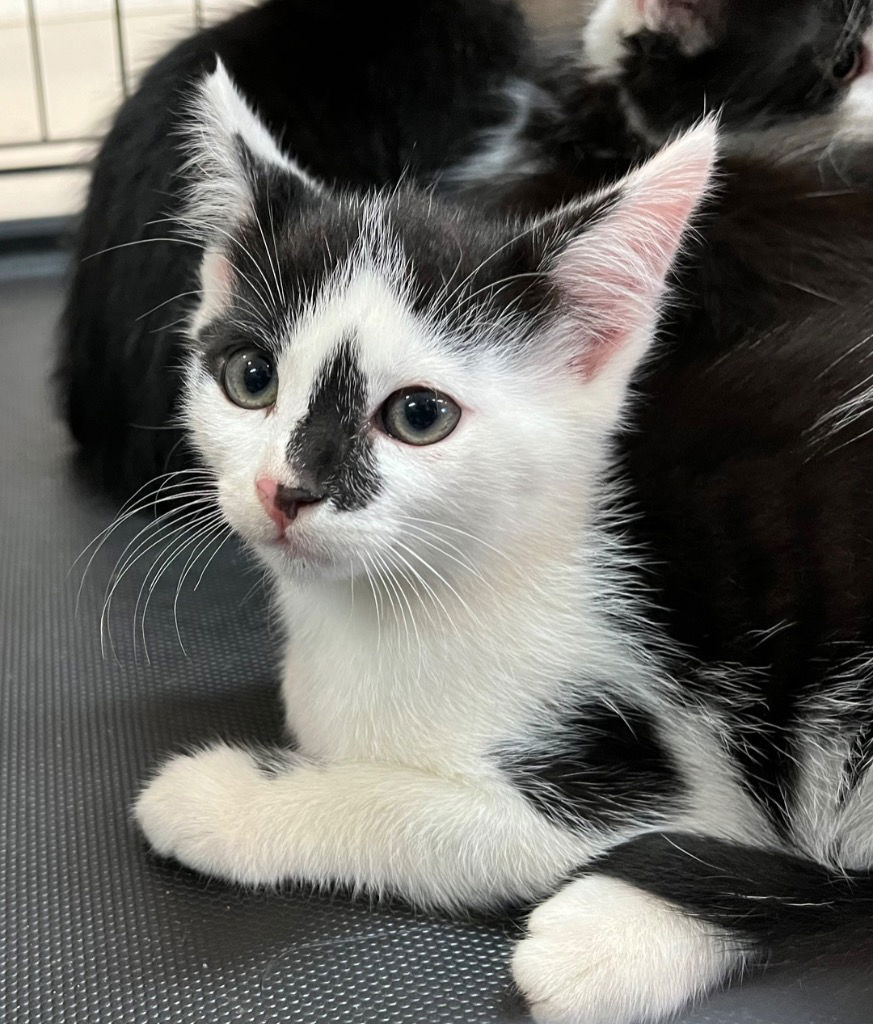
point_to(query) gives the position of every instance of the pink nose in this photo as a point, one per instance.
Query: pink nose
(268, 492)
(281, 502)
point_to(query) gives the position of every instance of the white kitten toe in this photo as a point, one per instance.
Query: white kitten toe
(604, 952)
(195, 808)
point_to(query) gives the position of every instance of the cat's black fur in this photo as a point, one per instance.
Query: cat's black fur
(772, 245)
(754, 502)
(327, 450)
(747, 503)
(609, 766)
(765, 66)
(362, 94)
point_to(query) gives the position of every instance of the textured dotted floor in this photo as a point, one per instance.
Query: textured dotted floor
(95, 931)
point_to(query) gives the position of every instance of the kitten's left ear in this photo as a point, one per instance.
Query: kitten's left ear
(611, 275)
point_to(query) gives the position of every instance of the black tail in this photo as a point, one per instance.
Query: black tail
(785, 907)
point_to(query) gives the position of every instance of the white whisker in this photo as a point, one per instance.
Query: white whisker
(188, 537)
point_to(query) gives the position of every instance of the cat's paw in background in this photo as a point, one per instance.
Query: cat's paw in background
(604, 952)
(194, 810)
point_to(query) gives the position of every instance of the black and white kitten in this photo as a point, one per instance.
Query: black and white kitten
(532, 656)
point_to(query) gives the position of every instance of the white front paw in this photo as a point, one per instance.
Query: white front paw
(604, 952)
(196, 810)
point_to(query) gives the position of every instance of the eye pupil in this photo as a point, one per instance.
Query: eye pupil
(257, 374)
(847, 66)
(422, 410)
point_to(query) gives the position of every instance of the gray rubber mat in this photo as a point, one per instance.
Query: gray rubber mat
(94, 930)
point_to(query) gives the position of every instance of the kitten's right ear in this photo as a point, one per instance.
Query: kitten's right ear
(233, 161)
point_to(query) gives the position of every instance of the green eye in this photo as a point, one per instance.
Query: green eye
(249, 378)
(420, 416)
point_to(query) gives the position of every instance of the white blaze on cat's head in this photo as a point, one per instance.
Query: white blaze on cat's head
(694, 24)
(392, 386)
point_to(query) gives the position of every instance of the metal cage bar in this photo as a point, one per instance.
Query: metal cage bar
(43, 90)
(38, 76)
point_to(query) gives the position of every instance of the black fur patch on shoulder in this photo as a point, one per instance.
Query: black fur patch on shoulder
(329, 448)
(609, 766)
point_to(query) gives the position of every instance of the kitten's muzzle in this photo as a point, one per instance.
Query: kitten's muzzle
(283, 503)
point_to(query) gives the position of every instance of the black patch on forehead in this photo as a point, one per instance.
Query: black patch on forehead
(469, 268)
(299, 247)
(330, 450)
(281, 255)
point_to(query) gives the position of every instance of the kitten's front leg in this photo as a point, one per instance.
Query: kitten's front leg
(439, 841)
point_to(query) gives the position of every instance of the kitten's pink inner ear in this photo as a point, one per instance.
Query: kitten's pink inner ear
(613, 275)
(216, 285)
(216, 275)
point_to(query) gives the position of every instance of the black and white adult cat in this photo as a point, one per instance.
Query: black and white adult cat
(369, 93)
(533, 655)
(408, 93)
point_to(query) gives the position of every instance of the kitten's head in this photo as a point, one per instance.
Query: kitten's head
(761, 62)
(386, 381)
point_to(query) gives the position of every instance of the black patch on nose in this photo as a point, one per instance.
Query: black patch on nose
(330, 450)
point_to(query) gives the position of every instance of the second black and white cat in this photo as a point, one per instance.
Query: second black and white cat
(534, 655)
(778, 75)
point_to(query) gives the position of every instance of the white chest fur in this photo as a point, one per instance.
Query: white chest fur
(441, 681)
